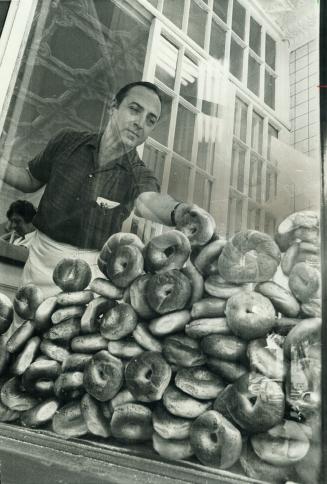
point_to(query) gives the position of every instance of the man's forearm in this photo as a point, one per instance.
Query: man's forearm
(155, 207)
(19, 177)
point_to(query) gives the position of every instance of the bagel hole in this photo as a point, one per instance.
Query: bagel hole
(253, 399)
(213, 437)
(168, 292)
(148, 374)
(169, 251)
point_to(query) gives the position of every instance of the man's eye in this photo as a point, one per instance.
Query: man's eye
(133, 108)
(152, 121)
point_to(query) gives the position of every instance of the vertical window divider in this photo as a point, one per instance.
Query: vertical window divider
(264, 170)
(246, 49)
(187, 6)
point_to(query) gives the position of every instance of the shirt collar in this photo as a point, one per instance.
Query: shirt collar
(126, 161)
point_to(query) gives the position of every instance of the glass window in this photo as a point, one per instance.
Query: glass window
(257, 219)
(189, 80)
(161, 131)
(269, 179)
(238, 215)
(220, 7)
(4, 7)
(202, 191)
(255, 36)
(257, 132)
(197, 23)
(240, 170)
(155, 160)
(240, 119)
(252, 176)
(184, 132)
(154, 2)
(166, 62)
(272, 133)
(173, 10)
(270, 52)
(254, 75)
(178, 171)
(238, 20)
(236, 60)
(217, 41)
(259, 181)
(269, 89)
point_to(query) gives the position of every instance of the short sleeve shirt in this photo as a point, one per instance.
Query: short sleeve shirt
(83, 203)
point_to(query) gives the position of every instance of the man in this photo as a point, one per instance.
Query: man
(92, 183)
(20, 227)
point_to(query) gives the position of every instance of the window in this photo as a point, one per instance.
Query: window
(240, 119)
(179, 171)
(155, 160)
(4, 7)
(236, 60)
(270, 52)
(217, 41)
(220, 7)
(255, 36)
(161, 131)
(166, 63)
(272, 133)
(184, 132)
(189, 80)
(238, 20)
(173, 10)
(254, 75)
(269, 89)
(257, 132)
(197, 23)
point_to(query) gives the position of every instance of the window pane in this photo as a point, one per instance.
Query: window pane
(257, 132)
(184, 132)
(236, 59)
(240, 119)
(166, 62)
(259, 181)
(197, 23)
(155, 160)
(269, 179)
(202, 191)
(189, 80)
(238, 215)
(269, 90)
(173, 9)
(270, 52)
(272, 133)
(220, 7)
(161, 131)
(217, 41)
(4, 7)
(153, 2)
(178, 171)
(255, 36)
(254, 75)
(252, 177)
(240, 171)
(238, 22)
(257, 220)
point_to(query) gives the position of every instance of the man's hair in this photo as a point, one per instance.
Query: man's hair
(23, 208)
(122, 93)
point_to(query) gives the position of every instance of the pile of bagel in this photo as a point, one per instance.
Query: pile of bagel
(207, 348)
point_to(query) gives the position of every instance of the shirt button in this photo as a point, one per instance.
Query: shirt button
(90, 175)
(77, 198)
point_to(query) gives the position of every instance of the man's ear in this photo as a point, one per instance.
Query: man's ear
(112, 106)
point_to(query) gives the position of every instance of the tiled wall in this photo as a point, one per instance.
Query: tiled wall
(304, 80)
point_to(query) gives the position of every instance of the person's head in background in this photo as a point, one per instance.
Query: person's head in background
(20, 215)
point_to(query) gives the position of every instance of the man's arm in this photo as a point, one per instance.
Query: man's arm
(157, 207)
(20, 177)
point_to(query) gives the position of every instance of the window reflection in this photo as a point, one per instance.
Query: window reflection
(269, 89)
(179, 171)
(189, 80)
(257, 132)
(155, 160)
(240, 119)
(184, 132)
(236, 59)
(173, 10)
(220, 7)
(254, 75)
(197, 23)
(270, 51)
(238, 20)
(255, 36)
(166, 62)
(202, 191)
(217, 41)
(161, 131)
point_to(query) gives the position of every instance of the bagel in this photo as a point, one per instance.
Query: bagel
(40, 414)
(15, 397)
(42, 317)
(88, 343)
(76, 362)
(180, 404)
(249, 256)
(199, 382)
(69, 385)
(20, 337)
(103, 376)
(209, 307)
(4, 355)
(198, 328)
(7, 415)
(97, 307)
(169, 426)
(118, 322)
(208, 257)
(144, 338)
(228, 370)
(304, 281)
(267, 359)
(215, 441)
(250, 315)
(27, 299)
(64, 331)
(224, 347)
(94, 418)
(114, 242)
(197, 224)
(123, 265)
(312, 308)
(40, 371)
(309, 468)
(132, 422)
(147, 376)
(166, 251)
(283, 325)
(182, 351)
(303, 337)
(72, 274)
(53, 350)
(282, 299)
(75, 298)
(68, 421)
(169, 323)
(125, 348)
(254, 403)
(301, 225)
(106, 288)
(172, 449)
(137, 292)
(289, 259)
(217, 287)
(122, 397)
(66, 313)
(26, 356)
(282, 445)
(168, 291)
(196, 280)
(6, 312)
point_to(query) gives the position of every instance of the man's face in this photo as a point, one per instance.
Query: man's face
(18, 224)
(137, 115)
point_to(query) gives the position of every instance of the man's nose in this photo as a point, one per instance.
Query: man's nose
(140, 120)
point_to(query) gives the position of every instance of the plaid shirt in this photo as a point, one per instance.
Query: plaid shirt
(69, 210)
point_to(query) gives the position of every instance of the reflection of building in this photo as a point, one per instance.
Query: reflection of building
(223, 69)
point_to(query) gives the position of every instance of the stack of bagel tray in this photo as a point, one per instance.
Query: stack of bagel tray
(206, 350)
